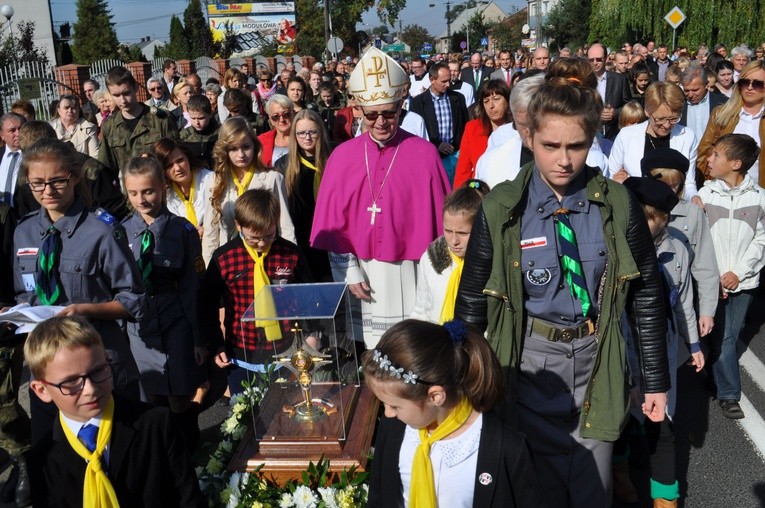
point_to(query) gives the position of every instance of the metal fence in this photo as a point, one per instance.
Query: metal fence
(99, 69)
(34, 81)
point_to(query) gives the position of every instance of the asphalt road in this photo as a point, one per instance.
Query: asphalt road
(720, 462)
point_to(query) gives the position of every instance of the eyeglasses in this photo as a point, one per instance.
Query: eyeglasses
(155, 89)
(255, 240)
(756, 84)
(266, 80)
(596, 59)
(351, 97)
(56, 184)
(372, 115)
(307, 134)
(281, 116)
(661, 121)
(76, 384)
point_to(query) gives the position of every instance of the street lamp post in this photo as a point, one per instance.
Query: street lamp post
(7, 12)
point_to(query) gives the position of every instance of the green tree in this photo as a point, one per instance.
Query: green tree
(507, 33)
(94, 36)
(178, 48)
(476, 28)
(197, 31)
(131, 53)
(568, 23)
(380, 30)
(21, 48)
(345, 15)
(708, 21)
(416, 36)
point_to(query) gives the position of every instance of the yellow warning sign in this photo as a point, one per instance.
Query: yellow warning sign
(675, 17)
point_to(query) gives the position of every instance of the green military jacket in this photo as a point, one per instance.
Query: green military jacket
(118, 144)
(606, 399)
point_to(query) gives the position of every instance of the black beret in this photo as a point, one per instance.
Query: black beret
(652, 192)
(664, 158)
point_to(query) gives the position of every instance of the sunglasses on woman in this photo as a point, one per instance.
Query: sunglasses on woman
(757, 84)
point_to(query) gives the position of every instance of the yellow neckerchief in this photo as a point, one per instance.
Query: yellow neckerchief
(447, 310)
(191, 214)
(264, 305)
(422, 490)
(97, 490)
(316, 175)
(241, 187)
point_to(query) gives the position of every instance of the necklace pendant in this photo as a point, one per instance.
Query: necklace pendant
(374, 210)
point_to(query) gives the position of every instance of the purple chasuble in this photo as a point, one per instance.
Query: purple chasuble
(409, 203)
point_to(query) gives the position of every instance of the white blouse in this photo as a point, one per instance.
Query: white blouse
(201, 196)
(455, 462)
(218, 232)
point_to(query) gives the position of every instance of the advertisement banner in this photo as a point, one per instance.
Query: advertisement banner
(256, 26)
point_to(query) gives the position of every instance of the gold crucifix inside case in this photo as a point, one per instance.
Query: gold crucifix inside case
(302, 360)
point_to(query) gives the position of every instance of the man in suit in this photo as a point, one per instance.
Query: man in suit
(477, 73)
(699, 102)
(157, 99)
(659, 66)
(613, 89)
(505, 71)
(89, 109)
(10, 127)
(169, 78)
(444, 111)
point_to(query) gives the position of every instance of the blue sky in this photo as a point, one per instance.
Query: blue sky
(135, 19)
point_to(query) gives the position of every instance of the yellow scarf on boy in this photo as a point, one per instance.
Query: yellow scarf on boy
(265, 304)
(447, 310)
(97, 490)
(191, 214)
(422, 491)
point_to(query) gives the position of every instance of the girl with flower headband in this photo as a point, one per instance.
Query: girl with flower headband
(438, 444)
(441, 265)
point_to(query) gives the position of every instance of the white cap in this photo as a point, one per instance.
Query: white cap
(377, 79)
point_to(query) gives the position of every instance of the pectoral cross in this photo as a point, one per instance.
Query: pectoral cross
(374, 211)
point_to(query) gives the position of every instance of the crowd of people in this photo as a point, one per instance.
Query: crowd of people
(511, 228)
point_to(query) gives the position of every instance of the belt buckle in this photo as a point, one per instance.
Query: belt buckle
(566, 335)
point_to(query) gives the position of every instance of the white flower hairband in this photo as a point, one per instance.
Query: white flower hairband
(396, 372)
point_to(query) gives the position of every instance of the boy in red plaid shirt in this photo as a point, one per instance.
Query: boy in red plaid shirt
(236, 273)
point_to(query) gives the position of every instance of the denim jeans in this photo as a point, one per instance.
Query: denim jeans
(729, 320)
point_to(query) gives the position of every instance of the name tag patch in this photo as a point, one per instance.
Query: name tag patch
(29, 281)
(27, 251)
(530, 243)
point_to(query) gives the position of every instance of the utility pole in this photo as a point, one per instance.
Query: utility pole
(327, 22)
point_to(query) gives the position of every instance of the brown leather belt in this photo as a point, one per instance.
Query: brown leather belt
(556, 333)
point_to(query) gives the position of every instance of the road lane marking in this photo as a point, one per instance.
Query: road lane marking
(753, 425)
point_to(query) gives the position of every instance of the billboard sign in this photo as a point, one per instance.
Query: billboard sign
(255, 25)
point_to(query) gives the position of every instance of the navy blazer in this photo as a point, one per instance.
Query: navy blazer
(148, 463)
(423, 106)
(468, 76)
(713, 100)
(618, 94)
(504, 476)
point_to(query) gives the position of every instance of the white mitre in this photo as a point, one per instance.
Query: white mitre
(377, 79)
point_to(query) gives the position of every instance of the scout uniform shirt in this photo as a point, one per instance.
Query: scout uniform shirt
(95, 266)
(547, 294)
